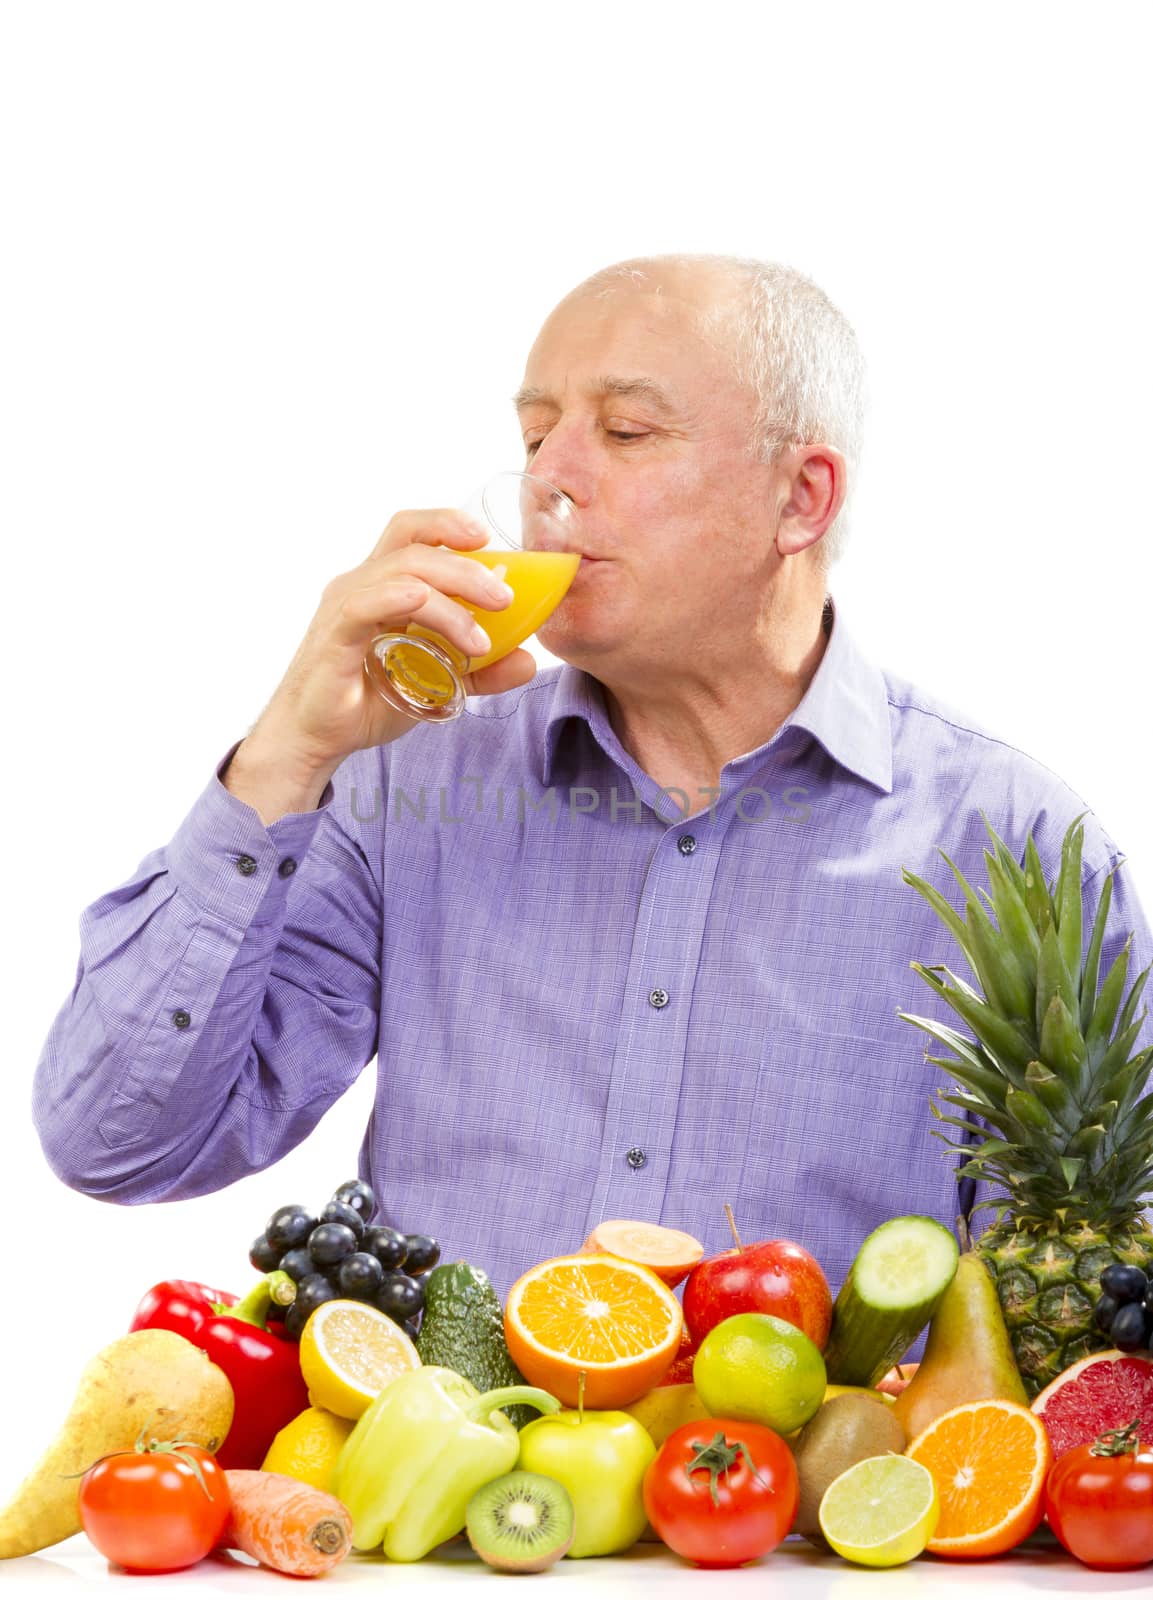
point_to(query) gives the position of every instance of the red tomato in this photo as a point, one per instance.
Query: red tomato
(150, 1511)
(736, 1501)
(1101, 1506)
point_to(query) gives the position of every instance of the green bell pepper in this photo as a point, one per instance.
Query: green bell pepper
(420, 1452)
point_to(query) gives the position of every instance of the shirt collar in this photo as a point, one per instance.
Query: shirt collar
(845, 708)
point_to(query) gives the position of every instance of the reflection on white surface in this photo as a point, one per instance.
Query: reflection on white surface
(795, 1571)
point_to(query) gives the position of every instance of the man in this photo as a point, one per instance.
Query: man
(630, 937)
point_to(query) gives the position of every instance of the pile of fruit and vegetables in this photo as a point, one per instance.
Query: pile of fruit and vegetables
(365, 1397)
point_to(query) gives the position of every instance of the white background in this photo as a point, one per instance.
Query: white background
(270, 274)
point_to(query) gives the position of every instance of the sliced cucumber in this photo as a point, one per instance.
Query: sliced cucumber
(899, 1274)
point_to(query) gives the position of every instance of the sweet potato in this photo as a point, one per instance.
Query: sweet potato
(149, 1379)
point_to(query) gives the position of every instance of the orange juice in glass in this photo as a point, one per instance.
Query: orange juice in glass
(419, 671)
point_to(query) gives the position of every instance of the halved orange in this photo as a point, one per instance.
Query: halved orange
(990, 1459)
(613, 1320)
(668, 1252)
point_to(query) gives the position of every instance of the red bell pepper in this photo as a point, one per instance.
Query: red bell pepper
(262, 1366)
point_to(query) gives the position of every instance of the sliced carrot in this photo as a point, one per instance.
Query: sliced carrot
(668, 1252)
(286, 1524)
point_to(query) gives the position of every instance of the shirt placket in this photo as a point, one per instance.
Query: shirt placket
(648, 1062)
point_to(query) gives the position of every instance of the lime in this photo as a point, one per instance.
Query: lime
(881, 1512)
(349, 1351)
(757, 1368)
(307, 1447)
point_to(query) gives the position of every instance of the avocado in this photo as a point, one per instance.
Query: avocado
(462, 1327)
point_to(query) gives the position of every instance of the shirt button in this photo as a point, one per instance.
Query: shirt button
(636, 1158)
(686, 844)
(181, 1019)
(659, 999)
(245, 865)
(287, 867)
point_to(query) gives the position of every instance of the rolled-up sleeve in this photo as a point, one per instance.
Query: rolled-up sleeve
(227, 994)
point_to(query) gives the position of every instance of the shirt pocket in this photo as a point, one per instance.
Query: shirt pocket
(840, 1140)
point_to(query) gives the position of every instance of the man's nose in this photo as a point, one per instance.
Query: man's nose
(564, 459)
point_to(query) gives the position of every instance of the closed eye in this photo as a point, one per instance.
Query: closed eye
(612, 433)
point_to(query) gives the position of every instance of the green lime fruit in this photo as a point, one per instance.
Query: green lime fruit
(757, 1368)
(881, 1512)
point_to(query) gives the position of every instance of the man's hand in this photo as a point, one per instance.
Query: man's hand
(325, 708)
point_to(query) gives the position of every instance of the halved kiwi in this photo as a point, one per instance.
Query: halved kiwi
(522, 1522)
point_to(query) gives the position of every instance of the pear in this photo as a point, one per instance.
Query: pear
(967, 1354)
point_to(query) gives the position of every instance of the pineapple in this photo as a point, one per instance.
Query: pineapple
(1048, 1064)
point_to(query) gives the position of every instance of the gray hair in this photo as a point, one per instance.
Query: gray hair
(794, 350)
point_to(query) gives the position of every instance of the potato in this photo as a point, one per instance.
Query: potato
(149, 1379)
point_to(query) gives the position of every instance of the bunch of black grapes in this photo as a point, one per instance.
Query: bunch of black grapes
(1124, 1310)
(337, 1255)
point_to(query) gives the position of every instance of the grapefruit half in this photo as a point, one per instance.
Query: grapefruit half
(1097, 1393)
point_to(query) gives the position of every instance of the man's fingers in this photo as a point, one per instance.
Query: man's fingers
(509, 673)
(443, 525)
(388, 605)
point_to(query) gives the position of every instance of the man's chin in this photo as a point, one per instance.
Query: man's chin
(575, 650)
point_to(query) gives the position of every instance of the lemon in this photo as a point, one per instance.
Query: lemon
(349, 1352)
(757, 1368)
(307, 1447)
(880, 1512)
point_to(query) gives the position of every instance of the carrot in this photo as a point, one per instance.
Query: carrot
(286, 1524)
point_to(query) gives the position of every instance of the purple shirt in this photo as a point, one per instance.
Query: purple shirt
(582, 1006)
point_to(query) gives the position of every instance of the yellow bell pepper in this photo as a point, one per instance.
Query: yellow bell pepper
(420, 1452)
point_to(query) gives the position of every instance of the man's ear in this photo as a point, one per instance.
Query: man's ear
(816, 492)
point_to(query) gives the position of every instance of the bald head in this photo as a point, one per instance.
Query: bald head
(716, 287)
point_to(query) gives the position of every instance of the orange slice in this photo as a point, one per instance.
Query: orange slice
(612, 1319)
(668, 1252)
(990, 1460)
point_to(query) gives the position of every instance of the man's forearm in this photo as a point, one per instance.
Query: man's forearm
(271, 782)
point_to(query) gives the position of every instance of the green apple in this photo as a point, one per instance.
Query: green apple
(601, 1457)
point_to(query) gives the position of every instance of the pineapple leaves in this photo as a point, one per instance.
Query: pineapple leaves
(1052, 977)
(1053, 1095)
(1050, 1096)
(1070, 1170)
(988, 1087)
(1093, 957)
(991, 956)
(1087, 1143)
(1117, 1057)
(941, 906)
(1105, 1011)
(1013, 916)
(1068, 907)
(1001, 1038)
(1062, 1047)
(1130, 1008)
(1036, 896)
(1030, 1116)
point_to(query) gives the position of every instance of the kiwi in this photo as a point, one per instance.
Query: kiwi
(522, 1522)
(843, 1431)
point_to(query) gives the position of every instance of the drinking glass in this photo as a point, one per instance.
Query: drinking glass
(533, 546)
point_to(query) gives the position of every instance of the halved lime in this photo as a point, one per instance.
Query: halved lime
(880, 1512)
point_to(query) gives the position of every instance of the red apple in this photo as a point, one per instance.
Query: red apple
(774, 1276)
(898, 1378)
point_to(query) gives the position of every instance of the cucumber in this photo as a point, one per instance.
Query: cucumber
(893, 1287)
(462, 1327)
